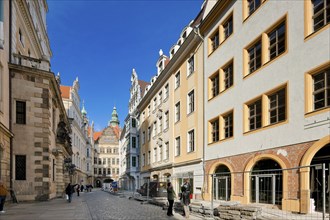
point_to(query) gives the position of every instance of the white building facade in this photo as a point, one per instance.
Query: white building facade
(267, 101)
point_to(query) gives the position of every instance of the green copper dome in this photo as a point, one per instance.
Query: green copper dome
(114, 119)
(83, 111)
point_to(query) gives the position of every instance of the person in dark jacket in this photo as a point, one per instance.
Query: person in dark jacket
(185, 189)
(170, 198)
(69, 191)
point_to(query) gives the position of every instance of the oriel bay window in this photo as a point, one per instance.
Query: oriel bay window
(270, 45)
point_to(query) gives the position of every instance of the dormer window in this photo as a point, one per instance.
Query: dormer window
(160, 67)
(184, 35)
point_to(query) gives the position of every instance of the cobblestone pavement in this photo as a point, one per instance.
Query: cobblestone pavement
(97, 205)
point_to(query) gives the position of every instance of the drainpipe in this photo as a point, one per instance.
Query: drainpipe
(10, 97)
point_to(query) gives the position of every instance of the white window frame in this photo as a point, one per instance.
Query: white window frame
(191, 102)
(191, 142)
(177, 112)
(177, 146)
(177, 80)
(191, 68)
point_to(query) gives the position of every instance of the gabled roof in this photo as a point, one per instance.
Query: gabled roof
(143, 85)
(116, 130)
(65, 91)
(97, 135)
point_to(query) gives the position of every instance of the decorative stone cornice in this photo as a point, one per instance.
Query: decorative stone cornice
(6, 130)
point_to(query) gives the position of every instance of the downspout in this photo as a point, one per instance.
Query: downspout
(10, 97)
(196, 30)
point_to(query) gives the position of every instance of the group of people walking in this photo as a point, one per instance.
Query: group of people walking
(70, 189)
(184, 197)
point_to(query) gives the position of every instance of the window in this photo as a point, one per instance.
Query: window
(214, 41)
(167, 150)
(228, 27)
(214, 85)
(177, 80)
(191, 65)
(253, 5)
(177, 112)
(160, 98)
(104, 171)
(149, 133)
(167, 122)
(277, 42)
(214, 128)
(166, 91)
(155, 103)
(269, 46)
(149, 157)
(133, 161)
(109, 161)
(113, 161)
(100, 171)
(255, 115)
(321, 13)
(133, 142)
(191, 141)
(321, 89)
(155, 129)
(160, 152)
(143, 137)
(104, 161)
(254, 57)
(148, 110)
(228, 75)
(277, 107)
(160, 124)
(133, 122)
(228, 125)
(20, 112)
(95, 170)
(109, 171)
(191, 104)
(20, 167)
(143, 159)
(177, 146)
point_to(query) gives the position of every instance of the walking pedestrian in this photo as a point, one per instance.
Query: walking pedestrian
(185, 189)
(82, 188)
(170, 197)
(78, 189)
(69, 191)
(3, 194)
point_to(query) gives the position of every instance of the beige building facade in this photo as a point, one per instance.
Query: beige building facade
(171, 126)
(5, 129)
(267, 72)
(39, 123)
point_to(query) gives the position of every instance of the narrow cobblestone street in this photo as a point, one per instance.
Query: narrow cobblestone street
(94, 205)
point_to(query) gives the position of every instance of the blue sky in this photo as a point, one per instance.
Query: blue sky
(100, 42)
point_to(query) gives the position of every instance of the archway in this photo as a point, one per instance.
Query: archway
(266, 182)
(98, 183)
(316, 177)
(222, 183)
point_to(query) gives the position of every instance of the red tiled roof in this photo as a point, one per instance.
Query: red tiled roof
(143, 85)
(97, 135)
(65, 91)
(117, 131)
